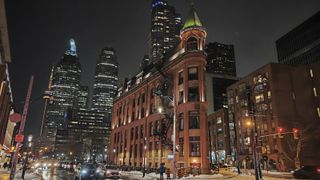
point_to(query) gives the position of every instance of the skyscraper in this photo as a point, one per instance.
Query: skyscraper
(64, 87)
(220, 59)
(105, 82)
(104, 90)
(165, 29)
(302, 44)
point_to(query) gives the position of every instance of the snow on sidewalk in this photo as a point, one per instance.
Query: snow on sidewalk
(138, 175)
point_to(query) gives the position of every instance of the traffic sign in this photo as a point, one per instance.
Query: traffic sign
(19, 138)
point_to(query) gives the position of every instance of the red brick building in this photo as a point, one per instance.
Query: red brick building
(136, 123)
(5, 88)
(283, 98)
(219, 137)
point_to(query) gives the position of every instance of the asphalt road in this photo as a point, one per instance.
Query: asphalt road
(61, 174)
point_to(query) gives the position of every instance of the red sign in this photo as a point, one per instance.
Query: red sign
(15, 117)
(19, 138)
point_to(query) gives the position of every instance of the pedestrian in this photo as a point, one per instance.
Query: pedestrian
(5, 165)
(162, 170)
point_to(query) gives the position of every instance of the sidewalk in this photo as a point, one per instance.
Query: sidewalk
(250, 172)
(4, 175)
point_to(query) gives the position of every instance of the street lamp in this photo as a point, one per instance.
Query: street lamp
(144, 157)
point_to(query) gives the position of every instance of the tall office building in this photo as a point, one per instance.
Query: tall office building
(220, 59)
(216, 91)
(165, 29)
(302, 44)
(64, 87)
(83, 98)
(105, 82)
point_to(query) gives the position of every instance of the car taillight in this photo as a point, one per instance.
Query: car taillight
(318, 170)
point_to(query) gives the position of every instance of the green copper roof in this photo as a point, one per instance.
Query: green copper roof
(192, 19)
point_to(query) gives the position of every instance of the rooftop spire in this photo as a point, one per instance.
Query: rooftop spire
(192, 19)
(72, 49)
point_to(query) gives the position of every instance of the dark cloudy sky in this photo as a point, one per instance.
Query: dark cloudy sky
(39, 32)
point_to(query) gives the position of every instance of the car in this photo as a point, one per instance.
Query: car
(86, 171)
(307, 172)
(112, 173)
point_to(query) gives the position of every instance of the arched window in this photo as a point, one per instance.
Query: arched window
(192, 44)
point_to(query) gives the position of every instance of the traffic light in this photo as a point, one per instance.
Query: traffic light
(295, 133)
(280, 131)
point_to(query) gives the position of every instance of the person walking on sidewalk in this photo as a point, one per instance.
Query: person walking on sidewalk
(162, 170)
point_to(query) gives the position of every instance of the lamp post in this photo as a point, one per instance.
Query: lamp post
(27, 156)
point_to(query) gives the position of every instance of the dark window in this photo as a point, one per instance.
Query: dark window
(133, 115)
(141, 131)
(194, 146)
(142, 112)
(193, 94)
(133, 102)
(181, 124)
(180, 78)
(193, 73)
(131, 133)
(150, 149)
(137, 132)
(141, 150)
(192, 44)
(150, 129)
(130, 151)
(194, 121)
(135, 151)
(143, 98)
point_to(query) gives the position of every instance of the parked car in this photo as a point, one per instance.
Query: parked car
(307, 172)
(86, 171)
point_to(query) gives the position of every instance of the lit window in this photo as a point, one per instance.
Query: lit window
(259, 98)
(315, 92)
(311, 73)
(219, 120)
(318, 110)
(269, 94)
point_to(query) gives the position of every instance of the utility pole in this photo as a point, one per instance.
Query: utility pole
(257, 167)
(21, 129)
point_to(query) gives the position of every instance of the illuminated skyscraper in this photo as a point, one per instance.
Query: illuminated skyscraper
(165, 29)
(65, 84)
(220, 59)
(105, 82)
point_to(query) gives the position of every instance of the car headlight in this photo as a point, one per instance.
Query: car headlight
(108, 172)
(44, 165)
(84, 171)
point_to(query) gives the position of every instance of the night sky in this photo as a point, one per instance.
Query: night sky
(39, 31)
